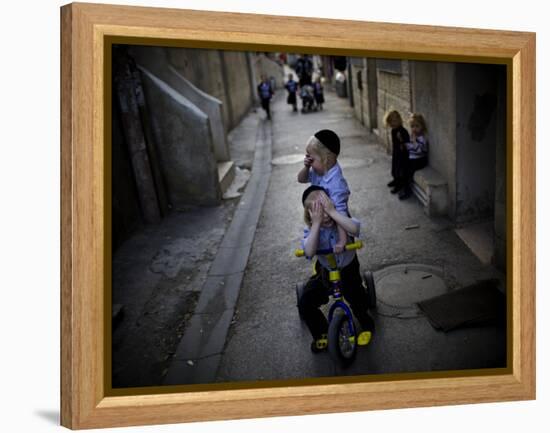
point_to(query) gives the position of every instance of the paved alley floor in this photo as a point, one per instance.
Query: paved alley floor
(268, 341)
(158, 275)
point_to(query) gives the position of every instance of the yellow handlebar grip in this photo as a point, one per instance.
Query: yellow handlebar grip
(355, 246)
(299, 253)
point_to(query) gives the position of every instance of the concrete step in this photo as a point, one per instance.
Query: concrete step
(479, 237)
(226, 174)
(432, 191)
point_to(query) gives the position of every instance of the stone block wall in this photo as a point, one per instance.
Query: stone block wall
(434, 96)
(193, 98)
(184, 142)
(394, 92)
(266, 66)
(222, 74)
(359, 89)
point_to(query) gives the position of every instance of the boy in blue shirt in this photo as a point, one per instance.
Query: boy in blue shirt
(321, 168)
(322, 218)
(265, 92)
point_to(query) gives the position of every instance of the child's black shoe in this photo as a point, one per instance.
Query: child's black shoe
(404, 194)
(320, 344)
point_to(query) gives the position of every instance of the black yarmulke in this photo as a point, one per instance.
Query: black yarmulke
(329, 139)
(310, 189)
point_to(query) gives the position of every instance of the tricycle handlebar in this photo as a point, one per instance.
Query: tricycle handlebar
(353, 246)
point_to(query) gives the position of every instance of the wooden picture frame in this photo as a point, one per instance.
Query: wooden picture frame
(87, 32)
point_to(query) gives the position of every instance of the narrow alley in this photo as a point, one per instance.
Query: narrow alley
(207, 214)
(268, 341)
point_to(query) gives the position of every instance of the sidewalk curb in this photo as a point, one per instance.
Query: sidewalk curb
(198, 354)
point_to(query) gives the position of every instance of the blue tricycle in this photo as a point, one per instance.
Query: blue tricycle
(342, 341)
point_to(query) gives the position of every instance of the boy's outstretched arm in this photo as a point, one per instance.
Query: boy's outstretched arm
(342, 239)
(343, 221)
(339, 199)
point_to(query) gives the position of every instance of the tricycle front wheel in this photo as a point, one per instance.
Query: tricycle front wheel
(342, 341)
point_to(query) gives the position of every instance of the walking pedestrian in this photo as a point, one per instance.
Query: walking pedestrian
(318, 93)
(291, 87)
(265, 92)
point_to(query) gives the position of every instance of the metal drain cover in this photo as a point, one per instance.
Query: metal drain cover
(288, 159)
(402, 286)
(296, 158)
(354, 162)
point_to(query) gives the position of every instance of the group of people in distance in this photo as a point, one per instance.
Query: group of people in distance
(329, 224)
(311, 92)
(312, 95)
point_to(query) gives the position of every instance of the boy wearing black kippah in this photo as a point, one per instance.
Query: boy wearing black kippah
(321, 168)
(322, 219)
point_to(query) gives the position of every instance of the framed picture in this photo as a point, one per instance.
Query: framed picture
(188, 140)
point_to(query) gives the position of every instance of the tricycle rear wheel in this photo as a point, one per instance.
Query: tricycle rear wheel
(299, 293)
(370, 288)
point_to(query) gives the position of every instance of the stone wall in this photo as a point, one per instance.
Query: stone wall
(476, 137)
(266, 66)
(394, 92)
(155, 60)
(239, 96)
(215, 90)
(126, 214)
(465, 109)
(358, 89)
(370, 93)
(434, 96)
(184, 143)
(205, 69)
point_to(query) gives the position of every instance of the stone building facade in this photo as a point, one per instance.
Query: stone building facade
(465, 108)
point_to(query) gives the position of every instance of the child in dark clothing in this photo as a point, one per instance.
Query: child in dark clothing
(400, 154)
(322, 218)
(291, 87)
(318, 93)
(265, 92)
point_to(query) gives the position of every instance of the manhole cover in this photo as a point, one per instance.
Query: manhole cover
(344, 162)
(288, 159)
(402, 286)
(354, 162)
